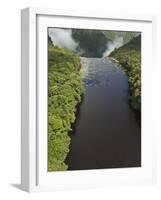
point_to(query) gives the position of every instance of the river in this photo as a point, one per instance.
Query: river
(106, 133)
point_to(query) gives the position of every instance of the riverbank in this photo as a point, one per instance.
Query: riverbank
(129, 57)
(65, 87)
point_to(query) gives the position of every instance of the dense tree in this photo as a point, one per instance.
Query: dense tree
(65, 87)
(129, 57)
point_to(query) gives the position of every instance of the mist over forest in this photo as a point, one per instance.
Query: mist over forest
(90, 43)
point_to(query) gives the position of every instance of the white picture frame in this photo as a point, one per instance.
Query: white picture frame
(34, 22)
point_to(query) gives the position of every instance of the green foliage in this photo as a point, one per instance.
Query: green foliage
(65, 87)
(91, 43)
(127, 36)
(129, 57)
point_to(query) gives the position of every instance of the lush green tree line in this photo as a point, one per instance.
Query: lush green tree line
(65, 87)
(129, 57)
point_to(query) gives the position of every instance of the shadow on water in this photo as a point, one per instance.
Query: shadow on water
(77, 115)
(137, 115)
(106, 133)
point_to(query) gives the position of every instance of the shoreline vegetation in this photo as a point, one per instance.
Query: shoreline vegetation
(129, 60)
(65, 87)
(66, 72)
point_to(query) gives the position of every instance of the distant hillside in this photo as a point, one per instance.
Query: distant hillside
(126, 36)
(91, 43)
(134, 44)
(129, 57)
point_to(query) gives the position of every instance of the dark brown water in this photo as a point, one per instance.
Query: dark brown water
(106, 133)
